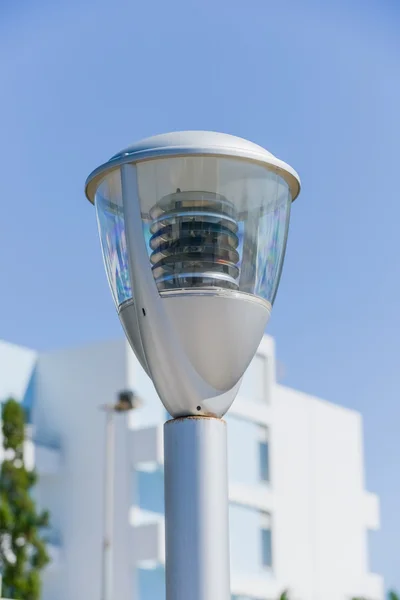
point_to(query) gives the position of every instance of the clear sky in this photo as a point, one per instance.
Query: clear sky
(317, 83)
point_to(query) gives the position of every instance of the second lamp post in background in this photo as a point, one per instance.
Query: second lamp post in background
(126, 401)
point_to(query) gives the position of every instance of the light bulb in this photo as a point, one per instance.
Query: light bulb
(194, 241)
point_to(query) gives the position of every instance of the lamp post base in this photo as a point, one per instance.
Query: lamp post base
(196, 509)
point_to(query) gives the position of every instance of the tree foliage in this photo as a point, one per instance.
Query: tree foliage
(391, 595)
(22, 549)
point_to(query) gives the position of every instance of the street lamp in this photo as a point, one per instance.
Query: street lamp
(193, 229)
(126, 401)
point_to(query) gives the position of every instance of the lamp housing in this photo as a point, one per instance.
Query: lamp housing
(193, 228)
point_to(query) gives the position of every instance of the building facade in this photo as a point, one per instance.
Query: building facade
(299, 511)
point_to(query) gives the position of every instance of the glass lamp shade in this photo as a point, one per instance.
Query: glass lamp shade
(193, 228)
(209, 223)
(111, 224)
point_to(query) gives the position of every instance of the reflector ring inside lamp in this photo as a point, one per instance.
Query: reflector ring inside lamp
(194, 241)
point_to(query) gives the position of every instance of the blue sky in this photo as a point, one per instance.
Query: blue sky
(317, 83)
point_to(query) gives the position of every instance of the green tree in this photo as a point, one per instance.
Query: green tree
(391, 595)
(22, 548)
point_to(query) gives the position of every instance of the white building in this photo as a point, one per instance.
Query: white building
(299, 509)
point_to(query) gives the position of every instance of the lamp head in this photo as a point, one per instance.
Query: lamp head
(193, 228)
(127, 400)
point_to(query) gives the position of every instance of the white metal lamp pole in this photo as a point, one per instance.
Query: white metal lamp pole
(196, 509)
(126, 401)
(193, 228)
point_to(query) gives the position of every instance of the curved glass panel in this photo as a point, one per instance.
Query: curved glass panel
(110, 219)
(214, 222)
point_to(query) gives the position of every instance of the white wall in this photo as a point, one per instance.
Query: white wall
(152, 411)
(320, 525)
(70, 387)
(243, 453)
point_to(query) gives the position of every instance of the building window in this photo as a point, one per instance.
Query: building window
(266, 540)
(263, 454)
